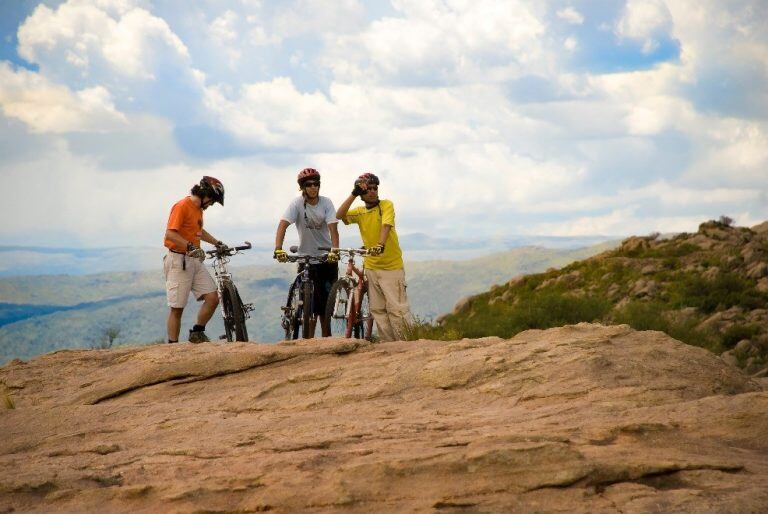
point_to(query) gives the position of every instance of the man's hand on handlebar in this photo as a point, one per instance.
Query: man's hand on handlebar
(195, 252)
(221, 247)
(376, 250)
(333, 256)
(280, 255)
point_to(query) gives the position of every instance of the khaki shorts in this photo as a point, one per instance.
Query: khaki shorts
(179, 282)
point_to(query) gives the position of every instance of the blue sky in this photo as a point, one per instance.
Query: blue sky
(483, 118)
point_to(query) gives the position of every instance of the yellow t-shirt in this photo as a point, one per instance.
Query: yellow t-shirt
(370, 221)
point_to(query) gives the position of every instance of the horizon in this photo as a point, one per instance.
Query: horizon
(483, 119)
(27, 261)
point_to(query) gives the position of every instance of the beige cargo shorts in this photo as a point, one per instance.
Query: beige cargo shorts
(180, 280)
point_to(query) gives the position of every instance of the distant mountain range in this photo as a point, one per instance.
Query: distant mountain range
(39, 314)
(36, 260)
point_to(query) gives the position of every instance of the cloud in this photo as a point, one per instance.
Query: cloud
(618, 223)
(47, 107)
(436, 43)
(86, 40)
(319, 17)
(647, 20)
(482, 118)
(724, 62)
(571, 15)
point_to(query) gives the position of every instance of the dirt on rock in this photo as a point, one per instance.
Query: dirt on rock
(583, 418)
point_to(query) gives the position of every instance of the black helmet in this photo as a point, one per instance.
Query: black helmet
(212, 188)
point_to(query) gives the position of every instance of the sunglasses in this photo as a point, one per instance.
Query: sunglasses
(311, 183)
(372, 188)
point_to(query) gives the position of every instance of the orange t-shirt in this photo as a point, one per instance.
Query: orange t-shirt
(187, 219)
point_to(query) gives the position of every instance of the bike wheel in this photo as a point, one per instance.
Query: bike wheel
(306, 311)
(292, 312)
(363, 328)
(234, 313)
(338, 307)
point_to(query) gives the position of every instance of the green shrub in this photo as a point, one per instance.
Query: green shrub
(424, 329)
(641, 316)
(542, 309)
(651, 316)
(736, 333)
(725, 291)
(661, 251)
(552, 310)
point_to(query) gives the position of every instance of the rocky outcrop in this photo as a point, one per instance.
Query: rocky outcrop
(710, 289)
(584, 418)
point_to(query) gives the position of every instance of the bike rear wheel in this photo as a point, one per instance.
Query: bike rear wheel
(338, 308)
(234, 313)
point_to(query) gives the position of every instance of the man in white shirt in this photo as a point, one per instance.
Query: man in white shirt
(315, 219)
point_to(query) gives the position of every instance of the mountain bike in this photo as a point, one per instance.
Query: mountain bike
(233, 310)
(348, 312)
(298, 318)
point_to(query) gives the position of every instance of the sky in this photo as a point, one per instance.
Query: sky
(483, 118)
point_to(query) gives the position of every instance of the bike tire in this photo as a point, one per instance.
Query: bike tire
(226, 311)
(338, 307)
(363, 328)
(234, 313)
(306, 314)
(293, 311)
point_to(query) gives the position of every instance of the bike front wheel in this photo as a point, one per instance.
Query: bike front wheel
(234, 313)
(306, 310)
(363, 328)
(292, 312)
(338, 308)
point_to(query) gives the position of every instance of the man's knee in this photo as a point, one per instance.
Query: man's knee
(176, 312)
(211, 298)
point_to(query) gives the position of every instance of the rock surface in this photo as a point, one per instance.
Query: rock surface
(583, 418)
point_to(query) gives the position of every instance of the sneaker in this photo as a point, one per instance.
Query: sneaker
(198, 337)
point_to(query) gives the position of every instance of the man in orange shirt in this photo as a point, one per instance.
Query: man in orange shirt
(183, 264)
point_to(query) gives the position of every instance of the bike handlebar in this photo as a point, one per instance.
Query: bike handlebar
(350, 251)
(306, 258)
(228, 251)
(303, 257)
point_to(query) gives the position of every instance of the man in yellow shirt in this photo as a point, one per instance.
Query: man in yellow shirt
(384, 264)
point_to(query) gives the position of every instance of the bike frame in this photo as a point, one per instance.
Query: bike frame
(302, 277)
(359, 283)
(356, 277)
(221, 272)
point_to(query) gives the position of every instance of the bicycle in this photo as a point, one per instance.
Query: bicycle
(298, 313)
(348, 312)
(233, 310)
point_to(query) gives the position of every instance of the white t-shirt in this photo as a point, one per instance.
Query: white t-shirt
(312, 223)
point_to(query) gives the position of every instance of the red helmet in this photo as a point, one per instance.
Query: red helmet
(212, 188)
(369, 178)
(306, 174)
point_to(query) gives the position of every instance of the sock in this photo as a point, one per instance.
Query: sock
(198, 328)
(169, 341)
